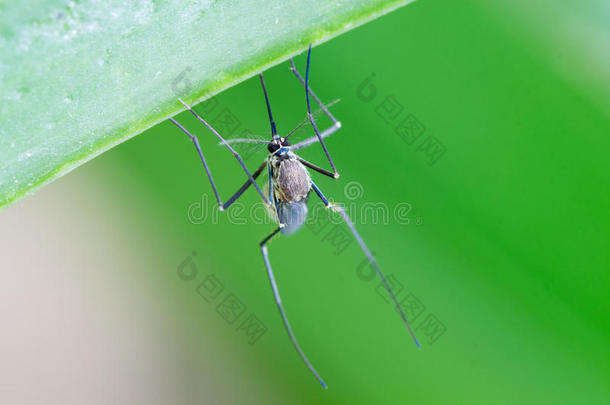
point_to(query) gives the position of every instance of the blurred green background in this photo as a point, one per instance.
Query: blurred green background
(505, 251)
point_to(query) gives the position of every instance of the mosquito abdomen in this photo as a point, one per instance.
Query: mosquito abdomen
(293, 215)
(292, 180)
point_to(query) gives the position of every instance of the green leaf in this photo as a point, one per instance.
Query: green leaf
(79, 77)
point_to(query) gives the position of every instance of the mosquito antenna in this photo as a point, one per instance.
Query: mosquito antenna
(295, 129)
(273, 129)
(299, 126)
(306, 120)
(244, 140)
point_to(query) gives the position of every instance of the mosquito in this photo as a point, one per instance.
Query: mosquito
(288, 189)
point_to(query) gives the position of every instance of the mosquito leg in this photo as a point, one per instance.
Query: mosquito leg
(319, 193)
(271, 195)
(239, 159)
(336, 124)
(306, 121)
(369, 256)
(270, 173)
(205, 165)
(278, 301)
(276, 204)
(327, 132)
(317, 168)
(309, 141)
(271, 121)
(310, 115)
(239, 192)
(244, 187)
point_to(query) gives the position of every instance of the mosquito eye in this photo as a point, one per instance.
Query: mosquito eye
(272, 147)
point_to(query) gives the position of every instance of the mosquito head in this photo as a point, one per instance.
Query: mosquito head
(276, 144)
